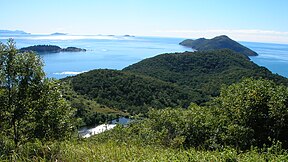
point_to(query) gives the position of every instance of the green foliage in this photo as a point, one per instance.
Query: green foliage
(179, 127)
(89, 112)
(53, 116)
(167, 80)
(246, 116)
(96, 150)
(31, 106)
(170, 127)
(219, 42)
(128, 92)
(249, 113)
(252, 112)
(202, 72)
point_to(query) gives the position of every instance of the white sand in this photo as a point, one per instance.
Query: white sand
(99, 129)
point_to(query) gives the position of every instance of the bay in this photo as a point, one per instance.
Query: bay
(117, 52)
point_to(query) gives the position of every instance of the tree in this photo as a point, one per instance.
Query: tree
(252, 112)
(31, 105)
(175, 127)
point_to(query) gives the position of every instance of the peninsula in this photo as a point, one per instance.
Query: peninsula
(219, 42)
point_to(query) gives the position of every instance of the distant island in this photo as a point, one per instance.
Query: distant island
(219, 42)
(128, 35)
(73, 49)
(58, 34)
(51, 49)
(13, 32)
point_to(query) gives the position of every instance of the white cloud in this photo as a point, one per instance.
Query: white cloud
(240, 35)
(73, 37)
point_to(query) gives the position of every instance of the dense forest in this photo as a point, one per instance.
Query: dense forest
(188, 115)
(205, 71)
(219, 42)
(129, 92)
(89, 112)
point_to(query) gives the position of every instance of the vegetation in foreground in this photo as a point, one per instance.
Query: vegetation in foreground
(220, 131)
(31, 106)
(93, 150)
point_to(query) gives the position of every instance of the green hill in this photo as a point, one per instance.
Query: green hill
(167, 80)
(203, 72)
(129, 92)
(219, 42)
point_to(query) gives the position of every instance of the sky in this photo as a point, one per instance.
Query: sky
(243, 20)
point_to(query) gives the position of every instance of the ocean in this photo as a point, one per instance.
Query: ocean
(272, 56)
(117, 52)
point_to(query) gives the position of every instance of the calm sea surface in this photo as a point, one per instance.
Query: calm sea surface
(272, 56)
(117, 52)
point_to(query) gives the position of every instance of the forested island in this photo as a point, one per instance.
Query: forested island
(219, 42)
(50, 49)
(214, 105)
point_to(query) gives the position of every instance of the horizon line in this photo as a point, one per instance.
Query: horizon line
(249, 35)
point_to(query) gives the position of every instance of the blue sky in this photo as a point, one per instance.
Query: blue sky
(245, 20)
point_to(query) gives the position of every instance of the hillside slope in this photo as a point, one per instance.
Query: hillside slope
(204, 72)
(129, 92)
(167, 80)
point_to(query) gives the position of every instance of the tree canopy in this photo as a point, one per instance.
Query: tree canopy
(31, 106)
(204, 72)
(249, 113)
(252, 112)
(129, 92)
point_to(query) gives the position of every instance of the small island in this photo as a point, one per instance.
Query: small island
(219, 42)
(73, 49)
(55, 34)
(128, 35)
(50, 49)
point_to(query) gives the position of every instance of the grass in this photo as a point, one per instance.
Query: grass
(94, 150)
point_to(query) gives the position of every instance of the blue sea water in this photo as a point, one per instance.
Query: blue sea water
(117, 52)
(272, 56)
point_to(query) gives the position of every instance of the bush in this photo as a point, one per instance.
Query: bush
(251, 112)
